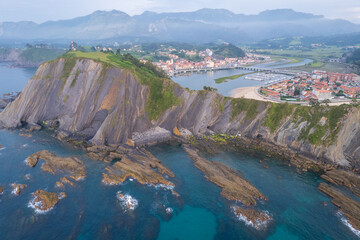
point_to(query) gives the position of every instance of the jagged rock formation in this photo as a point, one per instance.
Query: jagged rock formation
(74, 166)
(233, 186)
(347, 205)
(104, 103)
(45, 201)
(17, 188)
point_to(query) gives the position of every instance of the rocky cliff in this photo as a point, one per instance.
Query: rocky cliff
(114, 102)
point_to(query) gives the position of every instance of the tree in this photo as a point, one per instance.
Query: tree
(297, 91)
(326, 102)
(207, 88)
(314, 102)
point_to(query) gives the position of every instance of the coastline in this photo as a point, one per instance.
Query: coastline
(252, 93)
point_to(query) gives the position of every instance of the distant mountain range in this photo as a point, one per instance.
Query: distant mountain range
(205, 25)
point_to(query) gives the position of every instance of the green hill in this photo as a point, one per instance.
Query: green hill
(38, 55)
(229, 51)
(354, 58)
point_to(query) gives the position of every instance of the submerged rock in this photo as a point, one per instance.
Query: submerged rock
(17, 188)
(343, 178)
(25, 135)
(127, 201)
(169, 210)
(348, 206)
(253, 217)
(62, 195)
(66, 180)
(43, 200)
(53, 163)
(233, 186)
(59, 184)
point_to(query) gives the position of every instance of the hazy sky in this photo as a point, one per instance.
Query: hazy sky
(43, 10)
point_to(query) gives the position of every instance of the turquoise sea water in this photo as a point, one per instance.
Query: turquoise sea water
(92, 210)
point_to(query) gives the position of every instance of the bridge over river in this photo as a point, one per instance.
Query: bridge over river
(246, 68)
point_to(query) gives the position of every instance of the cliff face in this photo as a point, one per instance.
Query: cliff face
(108, 105)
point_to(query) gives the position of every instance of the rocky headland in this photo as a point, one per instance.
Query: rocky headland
(115, 107)
(105, 100)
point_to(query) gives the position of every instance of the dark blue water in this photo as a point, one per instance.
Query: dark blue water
(197, 81)
(14, 79)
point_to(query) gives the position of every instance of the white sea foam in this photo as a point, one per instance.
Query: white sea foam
(25, 145)
(3, 148)
(169, 210)
(346, 223)
(257, 224)
(15, 190)
(164, 186)
(127, 201)
(111, 183)
(33, 204)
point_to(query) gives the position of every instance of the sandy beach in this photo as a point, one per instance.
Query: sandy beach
(248, 92)
(251, 93)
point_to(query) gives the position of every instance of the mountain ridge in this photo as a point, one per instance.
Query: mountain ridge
(203, 25)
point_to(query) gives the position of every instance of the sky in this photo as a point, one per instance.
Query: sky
(43, 10)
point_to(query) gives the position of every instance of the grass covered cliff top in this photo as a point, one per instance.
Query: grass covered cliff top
(322, 122)
(161, 96)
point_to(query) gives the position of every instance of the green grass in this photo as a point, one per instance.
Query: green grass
(224, 79)
(313, 115)
(40, 54)
(69, 65)
(329, 67)
(75, 78)
(66, 98)
(316, 64)
(321, 134)
(276, 113)
(161, 96)
(240, 105)
(319, 54)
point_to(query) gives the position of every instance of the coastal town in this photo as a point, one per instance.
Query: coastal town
(318, 85)
(208, 61)
(297, 87)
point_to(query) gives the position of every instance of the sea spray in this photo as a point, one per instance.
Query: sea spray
(346, 223)
(127, 201)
